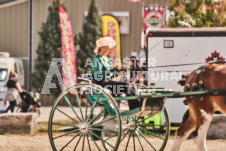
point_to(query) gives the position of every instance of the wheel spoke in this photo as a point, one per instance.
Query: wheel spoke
(79, 105)
(66, 115)
(69, 103)
(83, 142)
(134, 147)
(87, 98)
(110, 137)
(64, 124)
(99, 114)
(66, 133)
(93, 140)
(98, 129)
(70, 141)
(88, 141)
(78, 142)
(101, 139)
(153, 125)
(104, 121)
(125, 134)
(128, 140)
(139, 141)
(151, 133)
(146, 139)
(92, 108)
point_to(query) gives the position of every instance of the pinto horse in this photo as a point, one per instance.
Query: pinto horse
(202, 108)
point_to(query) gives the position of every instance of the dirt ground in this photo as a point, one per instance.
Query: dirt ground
(41, 143)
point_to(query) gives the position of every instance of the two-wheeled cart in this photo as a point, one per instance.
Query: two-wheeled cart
(99, 124)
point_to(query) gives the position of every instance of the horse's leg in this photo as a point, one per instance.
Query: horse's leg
(202, 128)
(204, 113)
(220, 104)
(184, 131)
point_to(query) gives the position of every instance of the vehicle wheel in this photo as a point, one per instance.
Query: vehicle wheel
(75, 127)
(138, 135)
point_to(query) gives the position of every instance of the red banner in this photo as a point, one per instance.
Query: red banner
(135, 1)
(154, 17)
(69, 72)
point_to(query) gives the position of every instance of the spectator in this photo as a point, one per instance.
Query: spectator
(13, 90)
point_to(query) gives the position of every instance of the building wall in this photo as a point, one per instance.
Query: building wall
(14, 24)
(76, 9)
(14, 27)
(14, 30)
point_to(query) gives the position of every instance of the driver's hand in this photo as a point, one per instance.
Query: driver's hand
(115, 69)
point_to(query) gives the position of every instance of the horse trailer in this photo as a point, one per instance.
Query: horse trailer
(172, 52)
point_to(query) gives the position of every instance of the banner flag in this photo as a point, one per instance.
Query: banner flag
(135, 1)
(69, 72)
(111, 29)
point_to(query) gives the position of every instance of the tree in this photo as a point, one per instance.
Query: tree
(198, 13)
(49, 47)
(92, 30)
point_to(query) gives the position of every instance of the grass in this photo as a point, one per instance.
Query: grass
(42, 128)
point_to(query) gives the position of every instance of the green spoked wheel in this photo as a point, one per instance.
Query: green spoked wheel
(145, 133)
(83, 121)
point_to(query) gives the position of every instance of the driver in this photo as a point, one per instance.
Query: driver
(103, 71)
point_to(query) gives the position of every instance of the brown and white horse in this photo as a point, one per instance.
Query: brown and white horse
(202, 109)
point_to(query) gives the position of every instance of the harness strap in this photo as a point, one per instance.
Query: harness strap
(195, 85)
(201, 83)
(189, 83)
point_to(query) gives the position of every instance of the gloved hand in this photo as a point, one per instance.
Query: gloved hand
(115, 69)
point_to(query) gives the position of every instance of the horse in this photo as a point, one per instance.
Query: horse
(202, 107)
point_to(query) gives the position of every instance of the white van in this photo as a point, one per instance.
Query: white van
(179, 51)
(8, 64)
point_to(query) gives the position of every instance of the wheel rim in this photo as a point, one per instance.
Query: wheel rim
(84, 127)
(138, 135)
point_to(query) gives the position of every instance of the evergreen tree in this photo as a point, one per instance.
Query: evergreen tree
(198, 13)
(92, 30)
(49, 47)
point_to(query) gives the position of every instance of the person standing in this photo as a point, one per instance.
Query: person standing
(13, 90)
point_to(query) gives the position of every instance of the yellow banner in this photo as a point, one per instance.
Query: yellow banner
(111, 29)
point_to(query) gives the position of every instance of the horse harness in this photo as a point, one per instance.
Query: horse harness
(198, 84)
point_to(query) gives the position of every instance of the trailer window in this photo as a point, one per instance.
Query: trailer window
(3, 74)
(168, 44)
